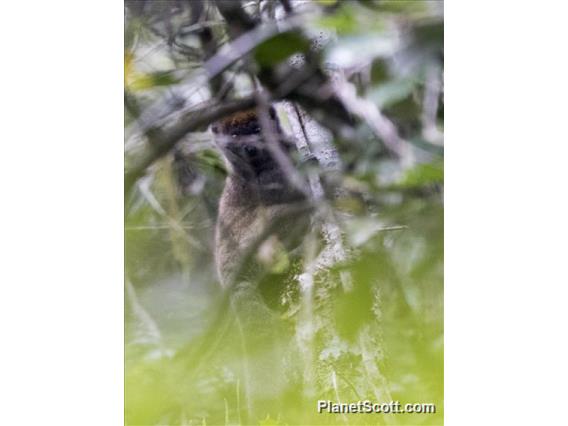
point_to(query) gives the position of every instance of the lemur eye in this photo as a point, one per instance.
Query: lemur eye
(251, 150)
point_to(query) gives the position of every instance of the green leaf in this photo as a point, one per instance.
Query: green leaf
(429, 34)
(344, 22)
(139, 81)
(211, 159)
(280, 47)
(379, 71)
(392, 92)
(424, 174)
(164, 78)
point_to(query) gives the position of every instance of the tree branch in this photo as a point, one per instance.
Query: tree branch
(161, 142)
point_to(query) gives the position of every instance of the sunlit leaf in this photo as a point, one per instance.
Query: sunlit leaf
(280, 47)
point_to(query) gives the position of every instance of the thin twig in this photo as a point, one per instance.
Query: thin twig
(268, 132)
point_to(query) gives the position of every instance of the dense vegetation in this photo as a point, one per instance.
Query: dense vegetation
(362, 317)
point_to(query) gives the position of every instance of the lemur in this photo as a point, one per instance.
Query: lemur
(259, 206)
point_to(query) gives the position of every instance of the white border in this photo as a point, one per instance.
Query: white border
(61, 172)
(506, 212)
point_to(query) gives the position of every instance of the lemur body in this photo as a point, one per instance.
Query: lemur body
(257, 197)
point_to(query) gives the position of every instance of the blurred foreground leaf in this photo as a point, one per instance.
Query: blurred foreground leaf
(280, 47)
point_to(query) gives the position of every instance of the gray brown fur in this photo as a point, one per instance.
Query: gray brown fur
(257, 197)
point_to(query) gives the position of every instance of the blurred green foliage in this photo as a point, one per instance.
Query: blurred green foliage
(278, 48)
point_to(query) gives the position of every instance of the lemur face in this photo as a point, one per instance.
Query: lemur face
(241, 138)
(249, 156)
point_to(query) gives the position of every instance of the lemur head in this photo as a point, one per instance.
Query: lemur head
(241, 138)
